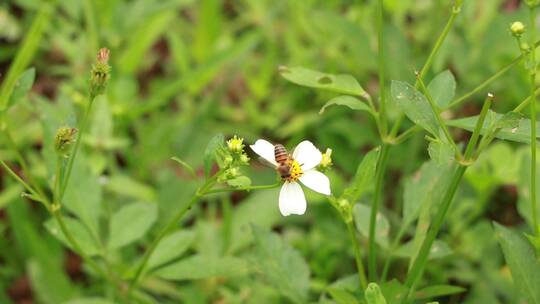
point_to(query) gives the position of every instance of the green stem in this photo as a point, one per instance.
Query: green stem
(382, 74)
(478, 129)
(379, 179)
(417, 268)
(456, 8)
(20, 180)
(488, 81)
(522, 105)
(437, 113)
(357, 254)
(249, 188)
(82, 129)
(534, 211)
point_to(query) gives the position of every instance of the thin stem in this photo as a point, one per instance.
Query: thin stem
(379, 179)
(522, 105)
(82, 129)
(249, 188)
(417, 268)
(456, 8)
(405, 135)
(478, 129)
(437, 113)
(19, 179)
(357, 255)
(536, 228)
(382, 74)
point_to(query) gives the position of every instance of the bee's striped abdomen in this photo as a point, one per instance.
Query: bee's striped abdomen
(280, 153)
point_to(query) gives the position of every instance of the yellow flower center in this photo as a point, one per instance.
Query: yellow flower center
(295, 170)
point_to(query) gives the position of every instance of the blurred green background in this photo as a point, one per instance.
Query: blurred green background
(183, 71)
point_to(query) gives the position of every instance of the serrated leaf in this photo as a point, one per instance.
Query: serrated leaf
(443, 88)
(361, 214)
(363, 179)
(521, 258)
(441, 152)
(518, 131)
(438, 291)
(201, 267)
(210, 152)
(80, 233)
(171, 247)
(415, 106)
(340, 83)
(130, 223)
(22, 86)
(281, 265)
(352, 102)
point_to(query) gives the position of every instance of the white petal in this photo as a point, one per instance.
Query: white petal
(292, 199)
(316, 181)
(307, 155)
(265, 150)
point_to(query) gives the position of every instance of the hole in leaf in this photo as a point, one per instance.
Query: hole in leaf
(325, 80)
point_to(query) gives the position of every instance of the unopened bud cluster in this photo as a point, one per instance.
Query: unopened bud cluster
(232, 158)
(64, 138)
(326, 161)
(517, 29)
(100, 74)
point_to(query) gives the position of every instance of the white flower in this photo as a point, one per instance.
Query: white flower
(302, 164)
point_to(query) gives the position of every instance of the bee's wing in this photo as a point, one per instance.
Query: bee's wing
(266, 163)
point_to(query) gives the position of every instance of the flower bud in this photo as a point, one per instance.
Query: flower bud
(228, 160)
(326, 161)
(517, 28)
(65, 136)
(235, 144)
(244, 159)
(100, 73)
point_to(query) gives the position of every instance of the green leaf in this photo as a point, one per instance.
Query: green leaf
(281, 265)
(443, 88)
(349, 101)
(22, 86)
(374, 295)
(130, 223)
(513, 129)
(80, 233)
(509, 120)
(361, 214)
(130, 188)
(439, 249)
(171, 247)
(210, 153)
(363, 179)
(201, 267)
(438, 291)
(342, 296)
(441, 152)
(415, 106)
(393, 291)
(521, 258)
(239, 182)
(342, 83)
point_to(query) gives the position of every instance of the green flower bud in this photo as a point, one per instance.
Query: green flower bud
(532, 3)
(65, 136)
(228, 160)
(326, 161)
(235, 144)
(374, 295)
(517, 28)
(244, 159)
(100, 73)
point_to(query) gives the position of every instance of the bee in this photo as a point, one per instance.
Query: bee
(284, 159)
